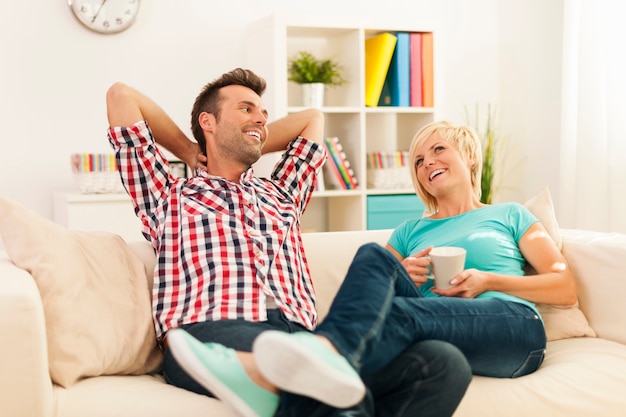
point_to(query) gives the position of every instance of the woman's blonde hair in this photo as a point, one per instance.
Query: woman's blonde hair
(464, 139)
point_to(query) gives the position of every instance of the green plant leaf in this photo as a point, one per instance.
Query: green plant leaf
(305, 68)
(491, 145)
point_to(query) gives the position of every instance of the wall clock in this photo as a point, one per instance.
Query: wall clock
(105, 16)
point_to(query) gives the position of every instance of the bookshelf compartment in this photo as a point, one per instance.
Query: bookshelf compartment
(394, 130)
(408, 125)
(327, 43)
(361, 129)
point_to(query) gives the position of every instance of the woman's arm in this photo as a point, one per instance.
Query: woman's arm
(553, 283)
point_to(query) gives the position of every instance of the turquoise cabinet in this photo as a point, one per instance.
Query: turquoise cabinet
(389, 210)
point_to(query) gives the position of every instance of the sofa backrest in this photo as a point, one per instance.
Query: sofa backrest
(144, 251)
(597, 260)
(329, 255)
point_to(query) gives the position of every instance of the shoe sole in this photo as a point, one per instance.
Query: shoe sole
(186, 358)
(286, 365)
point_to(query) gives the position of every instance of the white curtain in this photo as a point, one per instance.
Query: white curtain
(593, 143)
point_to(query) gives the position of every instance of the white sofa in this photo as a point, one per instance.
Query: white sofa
(579, 377)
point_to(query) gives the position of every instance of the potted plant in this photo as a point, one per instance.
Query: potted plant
(314, 75)
(493, 149)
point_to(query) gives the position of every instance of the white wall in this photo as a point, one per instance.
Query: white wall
(529, 54)
(54, 74)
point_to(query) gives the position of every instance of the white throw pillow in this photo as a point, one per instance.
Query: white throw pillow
(541, 206)
(560, 322)
(95, 296)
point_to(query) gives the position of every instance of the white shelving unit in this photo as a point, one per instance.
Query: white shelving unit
(272, 42)
(98, 212)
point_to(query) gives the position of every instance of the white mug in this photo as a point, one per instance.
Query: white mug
(445, 263)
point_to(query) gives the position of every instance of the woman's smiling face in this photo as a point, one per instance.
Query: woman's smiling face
(446, 160)
(439, 166)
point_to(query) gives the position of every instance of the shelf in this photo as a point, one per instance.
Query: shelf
(112, 213)
(328, 109)
(399, 110)
(90, 198)
(403, 191)
(361, 129)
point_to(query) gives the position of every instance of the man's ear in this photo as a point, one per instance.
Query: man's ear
(207, 122)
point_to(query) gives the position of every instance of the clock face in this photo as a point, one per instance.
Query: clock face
(105, 16)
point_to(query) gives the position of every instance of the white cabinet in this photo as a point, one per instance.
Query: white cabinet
(272, 42)
(98, 212)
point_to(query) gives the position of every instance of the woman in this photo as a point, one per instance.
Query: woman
(499, 240)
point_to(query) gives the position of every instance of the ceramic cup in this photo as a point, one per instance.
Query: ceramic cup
(445, 263)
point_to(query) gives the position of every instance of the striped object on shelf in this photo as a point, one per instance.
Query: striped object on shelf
(96, 173)
(389, 170)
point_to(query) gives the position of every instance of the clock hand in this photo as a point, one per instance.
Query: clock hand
(98, 12)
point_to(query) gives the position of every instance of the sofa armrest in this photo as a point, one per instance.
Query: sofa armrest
(25, 385)
(597, 261)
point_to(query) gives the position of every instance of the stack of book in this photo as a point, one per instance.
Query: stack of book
(399, 69)
(341, 175)
(389, 170)
(96, 173)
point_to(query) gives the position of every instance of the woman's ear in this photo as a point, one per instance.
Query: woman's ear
(473, 159)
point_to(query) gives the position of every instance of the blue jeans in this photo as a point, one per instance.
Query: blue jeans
(428, 379)
(378, 313)
(380, 322)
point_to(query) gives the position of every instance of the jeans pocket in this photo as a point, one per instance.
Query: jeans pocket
(531, 364)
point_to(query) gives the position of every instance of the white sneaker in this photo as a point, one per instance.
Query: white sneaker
(301, 364)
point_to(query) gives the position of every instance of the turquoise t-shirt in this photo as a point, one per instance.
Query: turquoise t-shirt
(490, 235)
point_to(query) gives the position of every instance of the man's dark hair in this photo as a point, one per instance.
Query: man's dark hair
(209, 98)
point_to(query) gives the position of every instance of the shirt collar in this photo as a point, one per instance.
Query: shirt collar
(245, 178)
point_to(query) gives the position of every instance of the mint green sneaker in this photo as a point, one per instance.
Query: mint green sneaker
(300, 363)
(217, 368)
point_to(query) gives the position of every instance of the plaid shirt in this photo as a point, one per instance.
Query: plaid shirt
(222, 247)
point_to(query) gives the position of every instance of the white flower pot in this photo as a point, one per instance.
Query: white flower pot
(313, 95)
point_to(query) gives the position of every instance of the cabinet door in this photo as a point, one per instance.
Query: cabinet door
(112, 213)
(388, 211)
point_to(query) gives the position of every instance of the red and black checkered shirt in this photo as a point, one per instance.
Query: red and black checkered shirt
(222, 247)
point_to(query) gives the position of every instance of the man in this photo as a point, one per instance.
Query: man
(230, 261)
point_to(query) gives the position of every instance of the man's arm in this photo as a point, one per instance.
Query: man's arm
(126, 106)
(307, 123)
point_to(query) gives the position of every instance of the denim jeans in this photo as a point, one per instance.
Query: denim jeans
(428, 379)
(414, 354)
(378, 313)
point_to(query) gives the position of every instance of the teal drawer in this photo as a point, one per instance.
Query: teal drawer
(388, 211)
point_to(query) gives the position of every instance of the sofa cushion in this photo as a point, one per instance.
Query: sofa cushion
(578, 377)
(94, 292)
(561, 322)
(541, 206)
